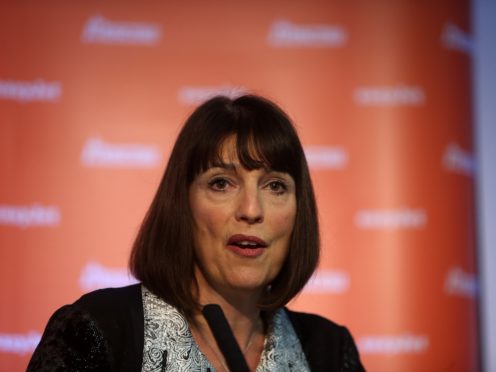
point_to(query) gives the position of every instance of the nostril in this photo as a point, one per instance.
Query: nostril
(251, 220)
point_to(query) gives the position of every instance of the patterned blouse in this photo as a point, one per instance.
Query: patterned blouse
(170, 346)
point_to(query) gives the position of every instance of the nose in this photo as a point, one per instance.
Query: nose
(249, 207)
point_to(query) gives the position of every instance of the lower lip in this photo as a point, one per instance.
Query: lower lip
(246, 252)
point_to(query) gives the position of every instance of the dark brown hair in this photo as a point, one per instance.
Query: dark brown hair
(163, 255)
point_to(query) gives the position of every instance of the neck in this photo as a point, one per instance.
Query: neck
(241, 311)
(249, 335)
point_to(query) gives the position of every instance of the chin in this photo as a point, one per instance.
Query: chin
(248, 284)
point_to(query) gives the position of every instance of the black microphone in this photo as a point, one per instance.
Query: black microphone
(225, 338)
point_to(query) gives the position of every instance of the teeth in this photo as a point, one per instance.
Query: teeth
(247, 244)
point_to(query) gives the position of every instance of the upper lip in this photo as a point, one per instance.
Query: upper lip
(239, 238)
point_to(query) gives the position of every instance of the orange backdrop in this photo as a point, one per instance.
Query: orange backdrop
(92, 94)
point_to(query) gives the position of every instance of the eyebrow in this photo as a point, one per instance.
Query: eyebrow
(230, 166)
(235, 166)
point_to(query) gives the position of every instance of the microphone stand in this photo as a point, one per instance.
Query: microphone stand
(225, 338)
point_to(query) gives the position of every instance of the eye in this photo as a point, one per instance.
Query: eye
(277, 187)
(218, 184)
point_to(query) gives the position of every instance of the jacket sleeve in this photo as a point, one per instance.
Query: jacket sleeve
(72, 341)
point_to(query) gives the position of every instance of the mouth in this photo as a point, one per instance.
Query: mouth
(246, 242)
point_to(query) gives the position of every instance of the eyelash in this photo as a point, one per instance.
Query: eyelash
(277, 187)
(281, 187)
(215, 182)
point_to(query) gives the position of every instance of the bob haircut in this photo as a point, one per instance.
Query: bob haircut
(163, 255)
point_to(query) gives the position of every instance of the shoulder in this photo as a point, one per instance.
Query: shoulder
(314, 322)
(327, 345)
(111, 300)
(315, 331)
(116, 310)
(119, 315)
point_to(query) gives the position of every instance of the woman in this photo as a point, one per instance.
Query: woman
(233, 223)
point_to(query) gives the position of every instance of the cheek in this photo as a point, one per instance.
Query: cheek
(285, 220)
(208, 220)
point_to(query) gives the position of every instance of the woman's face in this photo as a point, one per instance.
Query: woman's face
(243, 222)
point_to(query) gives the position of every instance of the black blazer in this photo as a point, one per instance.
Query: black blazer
(104, 331)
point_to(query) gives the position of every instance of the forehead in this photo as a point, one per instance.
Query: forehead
(227, 148)
(228, 153)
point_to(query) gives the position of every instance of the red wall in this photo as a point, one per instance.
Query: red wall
(92, 94)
